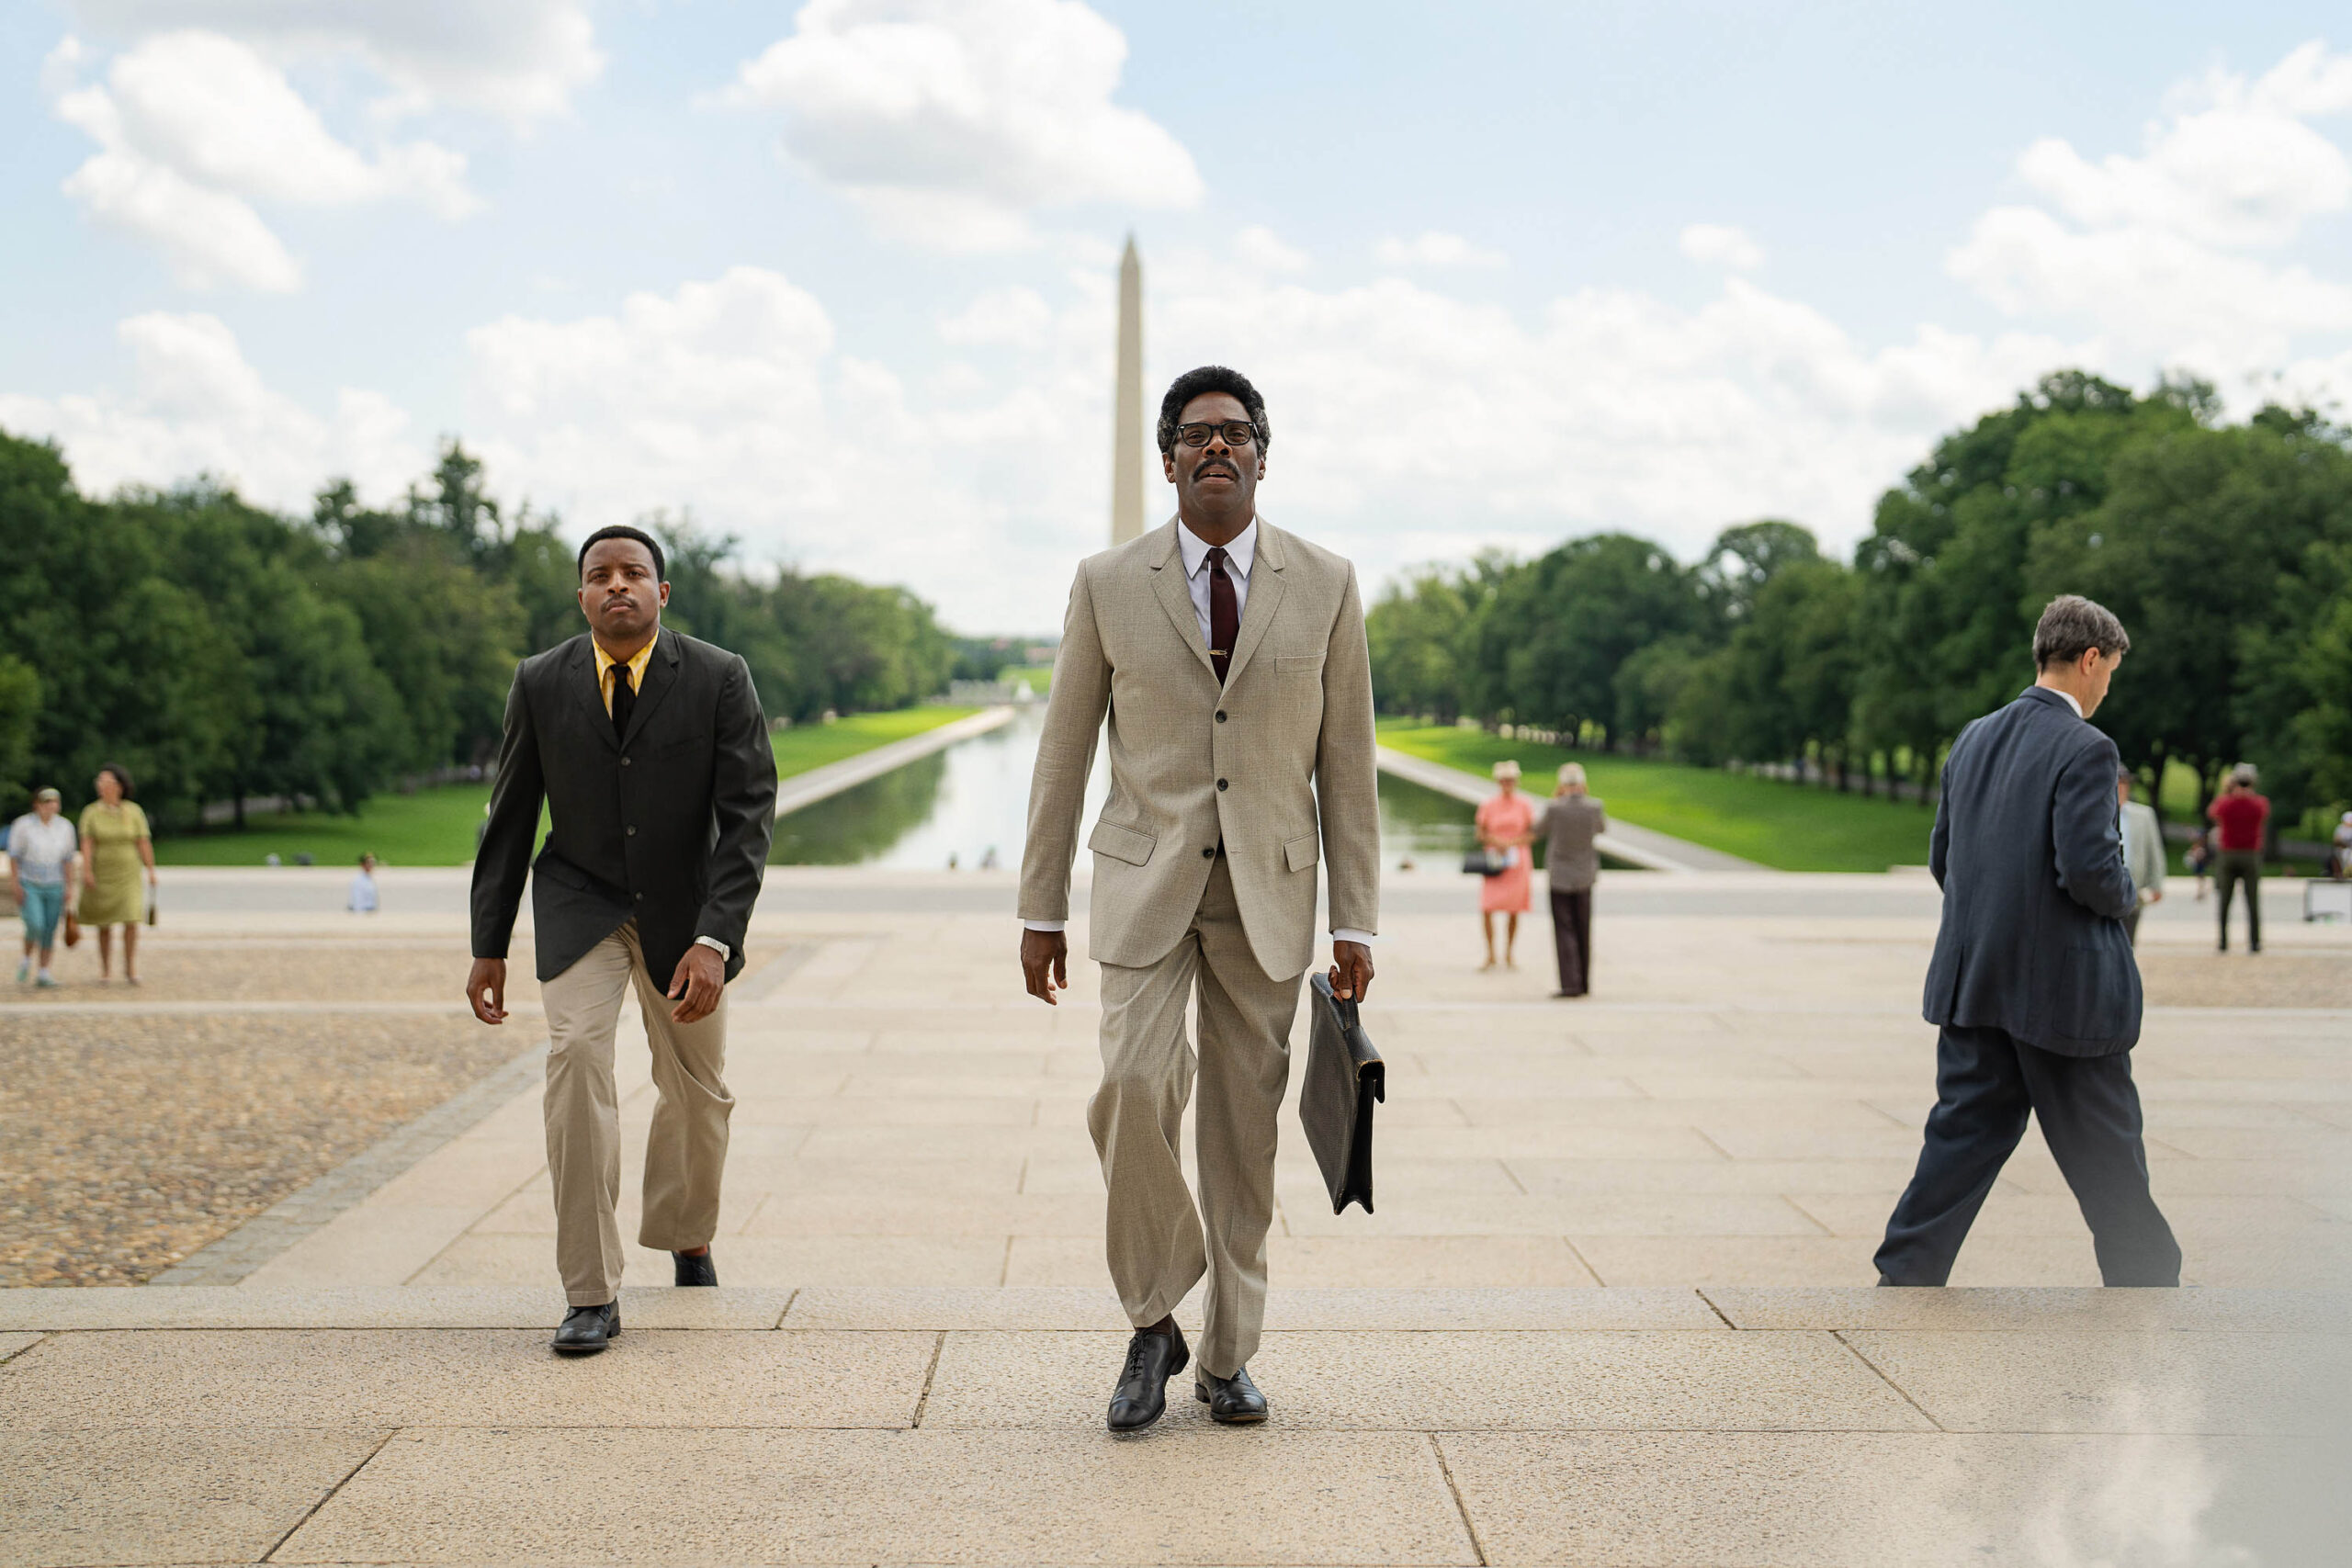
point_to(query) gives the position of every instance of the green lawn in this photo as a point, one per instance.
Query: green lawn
(1039, 676)
(1785, 825)
(436, 826)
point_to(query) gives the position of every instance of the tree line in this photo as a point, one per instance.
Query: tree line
(220, 650)
(2226, 548)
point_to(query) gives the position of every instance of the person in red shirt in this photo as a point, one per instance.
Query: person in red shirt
(2240, 816)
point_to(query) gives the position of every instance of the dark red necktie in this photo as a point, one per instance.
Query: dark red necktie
(1224, 615)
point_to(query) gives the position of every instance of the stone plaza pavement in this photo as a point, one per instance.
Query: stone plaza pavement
(1613, 1307)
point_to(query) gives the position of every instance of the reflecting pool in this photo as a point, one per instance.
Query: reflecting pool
(971, 802)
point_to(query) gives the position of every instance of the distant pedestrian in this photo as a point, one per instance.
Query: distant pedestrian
(116, 842)
(2240, 816)
(1571, 821)
(2340, 865)
(2199, 857)
(2032, 981)
(2143, 853)
(363, 887)
(42, 852)
(1506, 825)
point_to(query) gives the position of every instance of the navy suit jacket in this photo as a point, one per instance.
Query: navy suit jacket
(2028, 850)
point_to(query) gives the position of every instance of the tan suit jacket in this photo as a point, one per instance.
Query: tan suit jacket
(1278, 765)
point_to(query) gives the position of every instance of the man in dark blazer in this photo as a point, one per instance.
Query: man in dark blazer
(652, 756)
(2033, 981)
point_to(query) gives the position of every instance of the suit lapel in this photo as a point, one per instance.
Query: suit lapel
(587, 689)
(661, 677)
(1265, 598)
(1176, 597)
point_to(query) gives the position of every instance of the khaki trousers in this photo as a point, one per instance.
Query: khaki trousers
(1160, 1244)
(686, 1151)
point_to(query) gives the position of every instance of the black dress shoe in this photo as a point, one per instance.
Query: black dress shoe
(695, 1271)
(588, 1330)
(1141, 1397)
(1234, 1401)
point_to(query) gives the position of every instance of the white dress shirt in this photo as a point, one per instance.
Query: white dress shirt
(1239, 555)
(2071, 700)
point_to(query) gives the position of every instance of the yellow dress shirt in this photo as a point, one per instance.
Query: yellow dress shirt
(606, 663)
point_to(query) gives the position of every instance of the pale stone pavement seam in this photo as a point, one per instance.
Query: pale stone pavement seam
(503, 1200)
(9, 1355)
(1578, 1253)
(1839, 1335)
(1809, 1218)
(235, 1255)
(1512, 1177)
(1716, 1310)
(922, 1400)
(780, 1317)
(1453, 1490)
(330, 1494)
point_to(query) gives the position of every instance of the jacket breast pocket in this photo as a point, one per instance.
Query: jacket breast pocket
(2098, 993)
(1121, 843)
(1301, 664)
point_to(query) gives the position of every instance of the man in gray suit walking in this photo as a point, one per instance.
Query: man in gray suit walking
(2033, 981)
(1229, 660)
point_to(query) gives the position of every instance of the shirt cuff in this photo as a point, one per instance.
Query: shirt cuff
(1045, 925)
(724, 951)
(1343, 933)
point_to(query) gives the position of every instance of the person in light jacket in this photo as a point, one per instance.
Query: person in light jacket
(2143, 851)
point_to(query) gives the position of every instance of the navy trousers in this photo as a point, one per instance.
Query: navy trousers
(1987, 1083)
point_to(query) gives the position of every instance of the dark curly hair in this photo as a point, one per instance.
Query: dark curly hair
(121, 777)
(1211, 378)
(623, 531)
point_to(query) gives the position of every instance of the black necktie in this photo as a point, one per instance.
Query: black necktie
(624, 701)
(1224, 615)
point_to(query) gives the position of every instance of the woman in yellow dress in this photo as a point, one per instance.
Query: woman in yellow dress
(115, 845)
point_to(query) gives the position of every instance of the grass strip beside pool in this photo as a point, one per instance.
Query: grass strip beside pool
(1785, 825)
(436, 826)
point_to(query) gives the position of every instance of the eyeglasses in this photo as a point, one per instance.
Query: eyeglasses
(1235, 433)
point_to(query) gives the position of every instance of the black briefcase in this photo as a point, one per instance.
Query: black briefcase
(1344, 1077)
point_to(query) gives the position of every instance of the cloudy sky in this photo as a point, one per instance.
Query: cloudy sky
(841, 279)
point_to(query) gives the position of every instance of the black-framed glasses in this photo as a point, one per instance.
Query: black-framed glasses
(1234, 431)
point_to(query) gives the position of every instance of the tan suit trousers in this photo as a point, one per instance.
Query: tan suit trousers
(1159, 1244)
(686, 1151)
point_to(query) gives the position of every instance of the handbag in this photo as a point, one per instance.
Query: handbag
(73, 929)
(150, 905)
(1344, 1078)
(1489, 863)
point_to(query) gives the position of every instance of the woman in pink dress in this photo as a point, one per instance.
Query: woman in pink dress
(1506, 827)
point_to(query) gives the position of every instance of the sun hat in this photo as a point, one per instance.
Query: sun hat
(1571, 772)
(42, 794)
(1506, 769)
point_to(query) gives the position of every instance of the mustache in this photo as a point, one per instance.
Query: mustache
(1214, 468)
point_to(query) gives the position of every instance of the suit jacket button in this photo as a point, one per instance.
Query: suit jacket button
(641, 898)
(1209, 853)
(632, 832)
(1220, 784)
(625, 762)
(1221, 715)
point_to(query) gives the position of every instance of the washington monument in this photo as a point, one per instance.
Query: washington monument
(1126, 423)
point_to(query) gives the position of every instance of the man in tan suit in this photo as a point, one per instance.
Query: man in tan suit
(1230, 659)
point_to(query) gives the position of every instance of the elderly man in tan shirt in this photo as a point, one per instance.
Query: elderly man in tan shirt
(1572, 820)
(1229, 660)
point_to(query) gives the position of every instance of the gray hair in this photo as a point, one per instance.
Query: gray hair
(2071, 625)
(2245, 774)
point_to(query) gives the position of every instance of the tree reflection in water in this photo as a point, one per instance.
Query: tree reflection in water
(860, 823)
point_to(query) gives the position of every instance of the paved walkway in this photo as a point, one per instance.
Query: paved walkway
(908, 1360)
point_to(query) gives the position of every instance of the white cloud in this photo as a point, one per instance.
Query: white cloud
(197, 406)
(952, 121)
(1721, 244)
(2172, 253)
(1435, 251)
(1261, 247)
(194, 128)
(520, 60)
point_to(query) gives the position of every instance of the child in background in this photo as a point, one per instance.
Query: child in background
(363, 887)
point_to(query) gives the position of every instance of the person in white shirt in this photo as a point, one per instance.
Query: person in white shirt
(2143, 851)
(42, 849)
(363, 887)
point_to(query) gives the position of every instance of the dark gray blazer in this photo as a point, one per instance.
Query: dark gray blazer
(670, 824)
(2028, 850)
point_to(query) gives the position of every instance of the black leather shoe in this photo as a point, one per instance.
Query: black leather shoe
(695, 1271)
(1141, 1397)
(1234, 1401)
(588, 1330)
